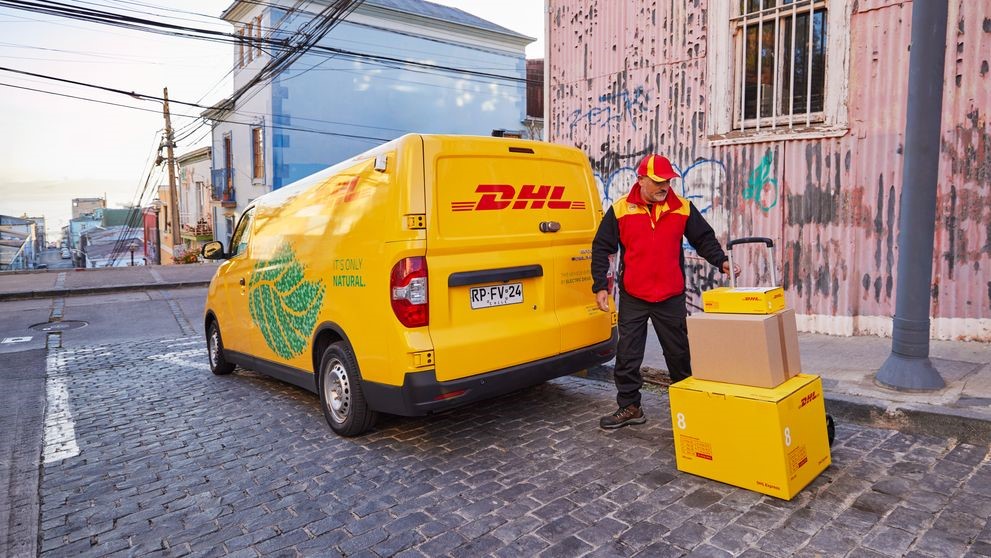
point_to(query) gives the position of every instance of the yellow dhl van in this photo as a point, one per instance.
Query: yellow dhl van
(422, 275)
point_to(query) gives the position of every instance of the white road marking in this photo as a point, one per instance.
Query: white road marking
(180, 358)
(60, 427)
(16, 339)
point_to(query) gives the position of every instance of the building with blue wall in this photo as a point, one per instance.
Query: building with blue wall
(388, 68)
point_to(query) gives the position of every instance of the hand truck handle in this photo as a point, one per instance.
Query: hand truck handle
(750, 240)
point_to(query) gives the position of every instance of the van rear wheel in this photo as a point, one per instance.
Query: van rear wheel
(341, 397)
(215, 351)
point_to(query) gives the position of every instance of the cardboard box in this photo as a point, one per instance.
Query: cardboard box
(758, 350)
(771, 441)
(744, 300)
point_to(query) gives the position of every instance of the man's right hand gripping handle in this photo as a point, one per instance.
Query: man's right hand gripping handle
(602, 299)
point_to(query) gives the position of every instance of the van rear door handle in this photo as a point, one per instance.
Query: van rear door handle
(463, 278)
(549, 226)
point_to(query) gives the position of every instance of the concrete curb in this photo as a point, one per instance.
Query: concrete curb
(81, 291)
(964, 425)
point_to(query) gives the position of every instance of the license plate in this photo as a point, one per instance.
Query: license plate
(496, 295)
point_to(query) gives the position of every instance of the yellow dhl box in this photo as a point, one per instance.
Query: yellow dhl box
(771, 441)
(744, 300)
(753, 350)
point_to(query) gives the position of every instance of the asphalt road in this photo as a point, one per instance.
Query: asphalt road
(144, 452)
(53, 259)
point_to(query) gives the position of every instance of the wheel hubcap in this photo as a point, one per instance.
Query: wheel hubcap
(214, 347)
(337, 390)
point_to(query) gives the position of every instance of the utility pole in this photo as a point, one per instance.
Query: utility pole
(908, 368)
(169, 150)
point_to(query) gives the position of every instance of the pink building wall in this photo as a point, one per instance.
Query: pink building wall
(630, 77)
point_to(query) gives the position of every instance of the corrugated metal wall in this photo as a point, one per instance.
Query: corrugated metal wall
(629, 77)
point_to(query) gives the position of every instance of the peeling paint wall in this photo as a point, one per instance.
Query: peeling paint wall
(629, 77)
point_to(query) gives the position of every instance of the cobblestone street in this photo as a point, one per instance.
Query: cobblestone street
(150, 454)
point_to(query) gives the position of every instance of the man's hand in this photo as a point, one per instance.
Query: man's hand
(602, 299)
(736, 269)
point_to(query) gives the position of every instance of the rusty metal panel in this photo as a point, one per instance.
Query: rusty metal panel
(620, 89)
(864, 6)
(962, 267)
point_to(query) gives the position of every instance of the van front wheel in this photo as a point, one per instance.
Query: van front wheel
(215, 351)
(341, 398)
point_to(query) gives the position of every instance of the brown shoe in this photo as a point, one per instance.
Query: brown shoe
(631, 414)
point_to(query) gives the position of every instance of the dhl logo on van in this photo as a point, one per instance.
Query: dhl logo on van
(347, 187)
(504, 196)
(752, 298)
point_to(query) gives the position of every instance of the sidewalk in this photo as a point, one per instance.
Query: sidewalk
(43, 284)
(847, 365)
(961, 410)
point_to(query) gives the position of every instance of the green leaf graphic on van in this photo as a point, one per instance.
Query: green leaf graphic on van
(282, 304)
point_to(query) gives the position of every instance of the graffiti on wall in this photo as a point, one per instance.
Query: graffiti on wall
(703, 182)
(832, 200)
(761, 187)
(612, 109)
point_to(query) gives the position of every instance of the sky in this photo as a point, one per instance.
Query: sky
(55, 148)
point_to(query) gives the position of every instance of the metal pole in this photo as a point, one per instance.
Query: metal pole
(158, 240)
(908, 368)
(169, 149)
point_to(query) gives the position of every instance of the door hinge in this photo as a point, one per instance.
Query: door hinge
(416, 221)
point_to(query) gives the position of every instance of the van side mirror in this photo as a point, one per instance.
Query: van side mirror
(213, 250)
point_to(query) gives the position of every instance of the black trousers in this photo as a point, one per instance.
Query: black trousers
(668, 317)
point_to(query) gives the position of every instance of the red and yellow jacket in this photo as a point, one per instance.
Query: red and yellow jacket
(653, 262)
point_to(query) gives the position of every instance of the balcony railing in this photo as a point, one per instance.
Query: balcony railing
(223, 187)
(200, 231)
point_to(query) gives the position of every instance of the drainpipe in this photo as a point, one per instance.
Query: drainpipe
(908, 368)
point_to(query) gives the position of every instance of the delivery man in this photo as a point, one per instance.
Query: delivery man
(648, 224)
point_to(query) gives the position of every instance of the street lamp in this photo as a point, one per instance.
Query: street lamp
(132, 247)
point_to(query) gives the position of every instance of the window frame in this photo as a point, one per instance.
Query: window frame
(240, 48)
(725, 63)
(228, 147)
(258, 36)
(251, 47)
(257, 153)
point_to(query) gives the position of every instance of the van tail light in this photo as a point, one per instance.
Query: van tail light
(408, 286)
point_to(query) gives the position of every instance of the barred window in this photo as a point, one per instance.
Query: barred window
(240, 48)
(257, 153)
(248, 34)
(780, 63)
(258, 37)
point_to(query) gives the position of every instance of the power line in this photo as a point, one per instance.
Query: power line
(136, 202)
(124, 21)
(382, 58)
(76, 97)
(79, 52)
(139, 96)
(110, 18)
(309, 34)
(145, 11)
(272, 126)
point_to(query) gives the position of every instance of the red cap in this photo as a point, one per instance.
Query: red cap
(657, 168)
